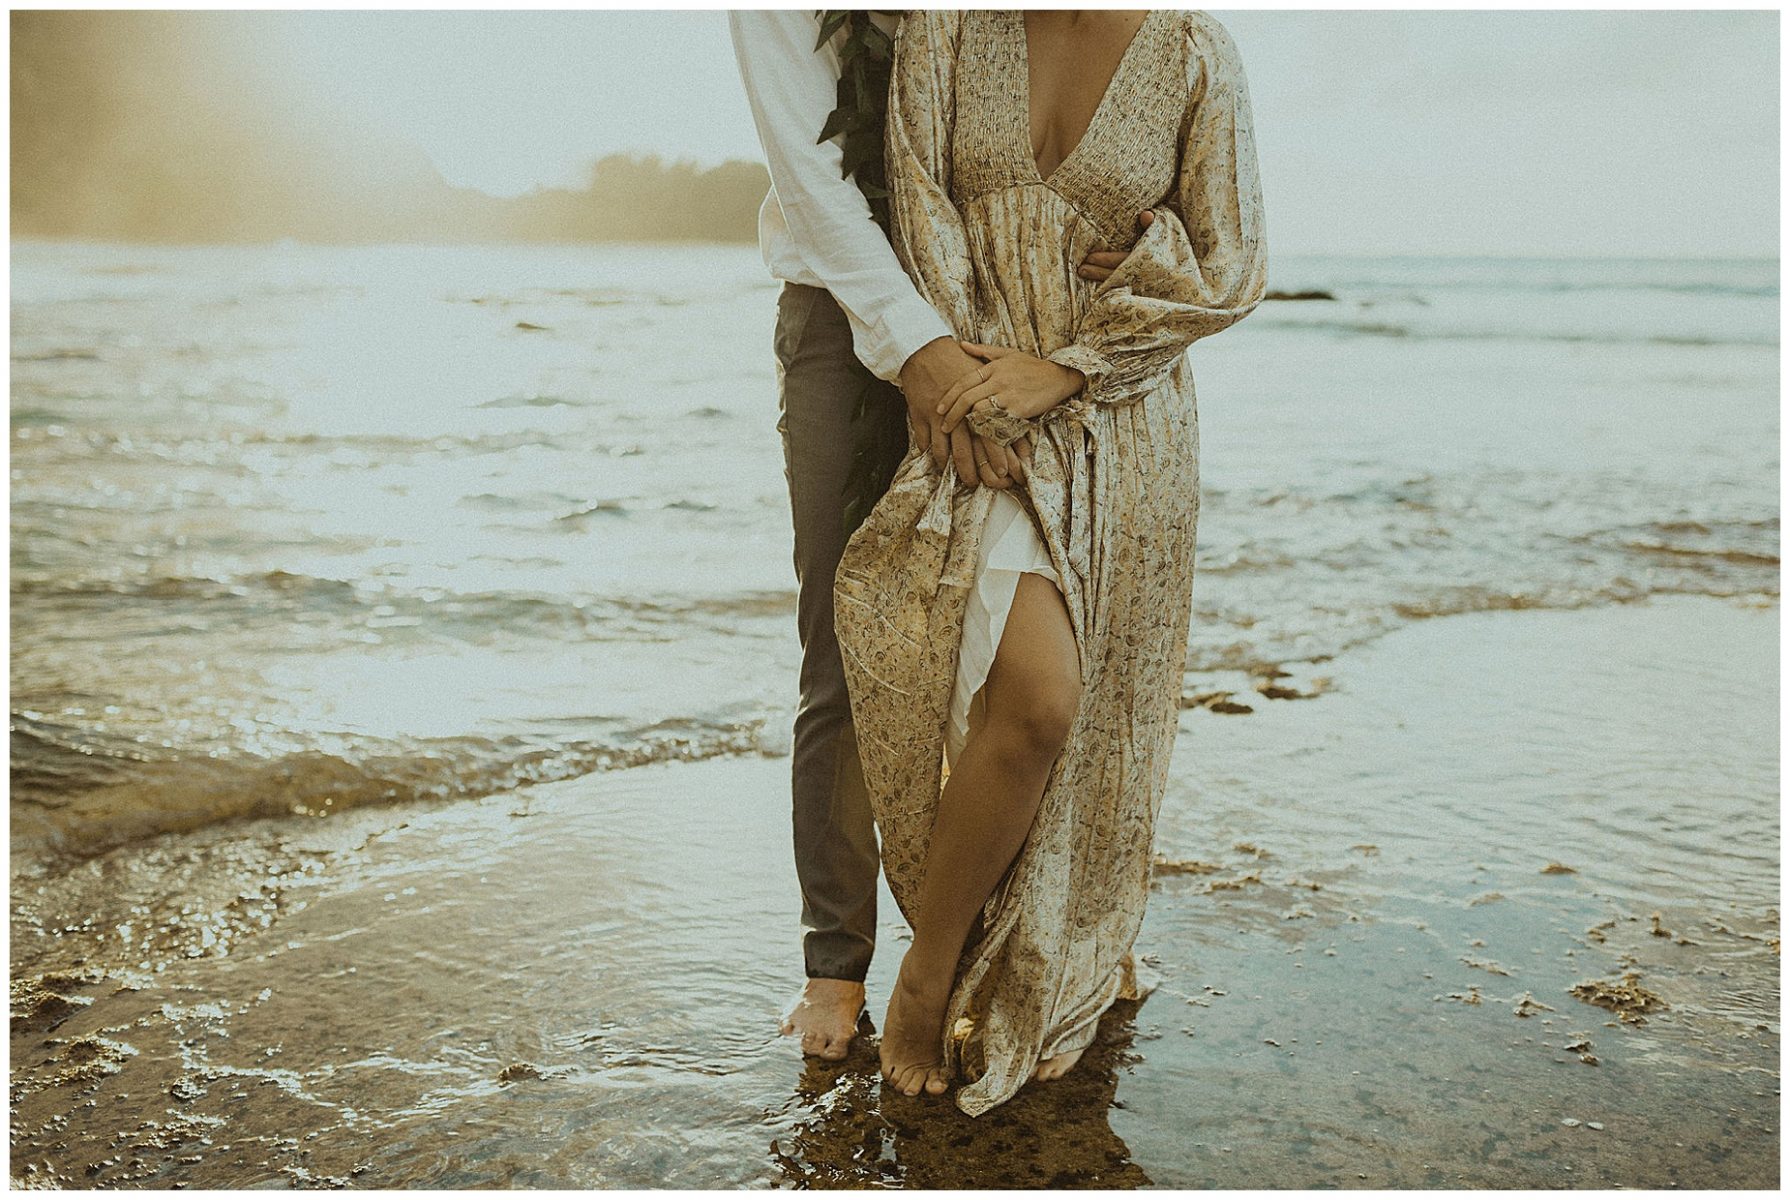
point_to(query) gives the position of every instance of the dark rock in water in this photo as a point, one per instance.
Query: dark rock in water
(529, 325)
(1310, 294)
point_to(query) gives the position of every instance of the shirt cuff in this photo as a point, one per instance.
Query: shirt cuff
(901, 333)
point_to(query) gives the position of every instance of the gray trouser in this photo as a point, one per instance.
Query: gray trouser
(820, 382)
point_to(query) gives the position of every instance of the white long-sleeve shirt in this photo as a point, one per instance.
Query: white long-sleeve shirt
(815, 226)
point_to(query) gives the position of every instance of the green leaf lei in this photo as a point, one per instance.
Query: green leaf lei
(866, 55)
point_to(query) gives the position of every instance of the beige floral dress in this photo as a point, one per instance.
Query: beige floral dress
(1113, 490)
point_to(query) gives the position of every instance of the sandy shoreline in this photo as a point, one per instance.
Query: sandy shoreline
(1374, 909)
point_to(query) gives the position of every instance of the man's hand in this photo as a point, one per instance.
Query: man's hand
(1100, 264)
(925, 377)
(978, 459)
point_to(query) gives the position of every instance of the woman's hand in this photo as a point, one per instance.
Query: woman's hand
(1023, 384)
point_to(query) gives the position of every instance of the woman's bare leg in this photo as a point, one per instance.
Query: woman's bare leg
(984, 815)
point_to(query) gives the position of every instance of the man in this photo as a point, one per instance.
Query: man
(848, 319)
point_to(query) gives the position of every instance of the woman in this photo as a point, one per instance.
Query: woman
(1033, 637)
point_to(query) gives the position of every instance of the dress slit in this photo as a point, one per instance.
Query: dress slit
(1010, 548)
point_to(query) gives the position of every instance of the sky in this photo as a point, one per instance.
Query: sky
(1629, 132)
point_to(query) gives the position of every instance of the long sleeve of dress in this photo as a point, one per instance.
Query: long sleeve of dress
(1202, 265)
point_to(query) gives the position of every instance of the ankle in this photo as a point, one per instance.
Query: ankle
(822, 986)
(835, 981)
(924, 975)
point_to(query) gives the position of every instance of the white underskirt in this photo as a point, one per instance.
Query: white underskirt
(1010, 548)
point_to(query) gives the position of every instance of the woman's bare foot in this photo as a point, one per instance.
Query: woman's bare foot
(913, 1031)
(1055, 1068)
(826, 1015)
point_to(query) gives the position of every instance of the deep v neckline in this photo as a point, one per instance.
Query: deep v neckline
(1018, 17)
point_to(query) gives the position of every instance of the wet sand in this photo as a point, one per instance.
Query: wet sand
(1495, 907)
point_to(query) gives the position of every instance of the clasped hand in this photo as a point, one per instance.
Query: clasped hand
(943, 380)
(1023, 384)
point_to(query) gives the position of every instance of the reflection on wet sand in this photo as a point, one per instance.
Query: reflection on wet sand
(859, 1132)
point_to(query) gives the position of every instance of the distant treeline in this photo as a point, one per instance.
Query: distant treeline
(138, 125)
(638, 197)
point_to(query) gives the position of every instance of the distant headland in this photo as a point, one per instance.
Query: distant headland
(127, 126)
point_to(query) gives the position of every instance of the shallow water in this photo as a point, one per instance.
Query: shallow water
(530, 991)
(307, 528)
(341, 599)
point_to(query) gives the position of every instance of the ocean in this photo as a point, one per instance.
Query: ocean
(296, 528)
(369, 604)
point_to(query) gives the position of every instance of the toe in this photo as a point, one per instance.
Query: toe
(811, 1042)
(834, 1047)
(936, 1082)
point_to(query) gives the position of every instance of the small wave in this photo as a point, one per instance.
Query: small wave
(52, 760)
(602, 508)
(280, 597)
(22, 416)
(1388, 329)
(1710, 545)
(179, 587)
(72, 355)
(130, 269)
(1696, 552)
(526, 503)
(1246, 561)
(389, 448)
(528, 402)
(1457, 601)
(594, 297)
(74, 794)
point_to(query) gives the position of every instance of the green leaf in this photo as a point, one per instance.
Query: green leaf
(860, 98)
(859, 152)
(879, 44)
(830, 21)
(838, 122)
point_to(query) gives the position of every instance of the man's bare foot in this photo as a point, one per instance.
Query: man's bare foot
(826, 1015)
(913, 1031)
(1055, 1068)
